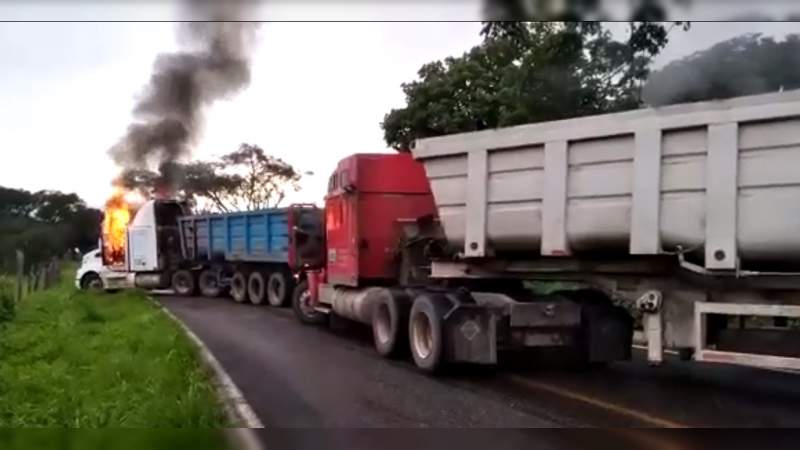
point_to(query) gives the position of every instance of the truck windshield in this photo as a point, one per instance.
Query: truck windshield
(167, 213)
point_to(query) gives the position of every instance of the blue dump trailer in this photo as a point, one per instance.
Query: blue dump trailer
(252, 254)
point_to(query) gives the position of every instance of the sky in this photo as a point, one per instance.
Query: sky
(318, 93)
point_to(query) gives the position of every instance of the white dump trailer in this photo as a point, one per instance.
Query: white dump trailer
(689, 212)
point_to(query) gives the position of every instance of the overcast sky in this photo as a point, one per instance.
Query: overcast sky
(318, 93)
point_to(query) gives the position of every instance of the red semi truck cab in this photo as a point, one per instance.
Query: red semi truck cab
(378, 210)
(368, 195)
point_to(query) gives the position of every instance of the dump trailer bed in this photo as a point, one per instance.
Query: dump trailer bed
(254, 254)
(688, 214)
(718, 178)
(251, 236)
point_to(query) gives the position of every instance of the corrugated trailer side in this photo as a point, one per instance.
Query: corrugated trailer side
(253, 236)
(245, 252)
(717, 177)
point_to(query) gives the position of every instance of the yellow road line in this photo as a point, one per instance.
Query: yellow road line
(617, 409)
(647, 440)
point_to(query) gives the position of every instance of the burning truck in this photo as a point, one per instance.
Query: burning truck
(160, 244)
(139, 240)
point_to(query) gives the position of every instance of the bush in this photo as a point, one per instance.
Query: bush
(7, 305)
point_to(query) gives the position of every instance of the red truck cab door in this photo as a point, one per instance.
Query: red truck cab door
(341, 229)
(306, 237)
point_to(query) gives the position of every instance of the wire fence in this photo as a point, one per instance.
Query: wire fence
(24, 280)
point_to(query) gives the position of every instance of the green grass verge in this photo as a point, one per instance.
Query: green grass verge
(77, 359)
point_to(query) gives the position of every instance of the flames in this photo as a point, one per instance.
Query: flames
(118, 212)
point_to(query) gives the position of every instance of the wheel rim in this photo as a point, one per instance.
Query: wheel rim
(238, 287)
(94, 283)
(422, 335)
(275, 290)
(256, 290)
(210, 282)
(383, 323)
(305, 304)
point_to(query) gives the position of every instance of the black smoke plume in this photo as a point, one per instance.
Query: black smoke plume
(214, 64)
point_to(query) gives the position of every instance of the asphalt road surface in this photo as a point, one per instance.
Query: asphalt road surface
(325, 377)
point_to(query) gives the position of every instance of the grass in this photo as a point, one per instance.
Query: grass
(78, 359)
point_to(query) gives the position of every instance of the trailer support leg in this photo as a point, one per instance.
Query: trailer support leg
(654, 333)
(650, 305)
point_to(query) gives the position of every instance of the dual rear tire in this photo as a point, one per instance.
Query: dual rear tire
(259, 287)
(426, 332)
(389, 319)
(184, 283)
(208, 284)
(400, 327)
(239, 286)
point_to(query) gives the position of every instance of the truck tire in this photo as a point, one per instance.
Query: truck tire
(390, 324)
(183, 283)
(208, 283)
(426, 333)
(256, 287)
(239, 287)
(279, 288)
(302, 310)
(91, 281)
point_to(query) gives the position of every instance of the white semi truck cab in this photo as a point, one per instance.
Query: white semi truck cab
(152, 248)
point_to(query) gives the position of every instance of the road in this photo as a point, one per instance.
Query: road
(320, 377)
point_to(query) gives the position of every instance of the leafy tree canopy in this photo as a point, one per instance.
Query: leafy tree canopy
(245, 179)
(524, 73)
(44, 224)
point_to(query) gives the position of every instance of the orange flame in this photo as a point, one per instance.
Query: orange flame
(115, 224)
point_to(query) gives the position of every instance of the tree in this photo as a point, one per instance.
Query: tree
(745, 65)
(44, 224)
(265, 178)
(16, 202)
(245, 179)
(56, 207)
(524, 73)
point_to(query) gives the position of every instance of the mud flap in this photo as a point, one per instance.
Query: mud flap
(607, 334)
(470, 335)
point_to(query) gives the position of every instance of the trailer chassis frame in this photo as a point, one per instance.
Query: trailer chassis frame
(674, 300)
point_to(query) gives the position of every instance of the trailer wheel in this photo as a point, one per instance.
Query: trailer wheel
(239, 286)
(390, 324)
(256, 287)
(208, 282)
(183, 283)
(426, 336)
(279, 288)
(304, 311)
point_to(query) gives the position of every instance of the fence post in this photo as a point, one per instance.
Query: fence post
(20, 272)
(48, 274)
(45, 276)
(57, 270)
(42, 280)
(53, 273)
